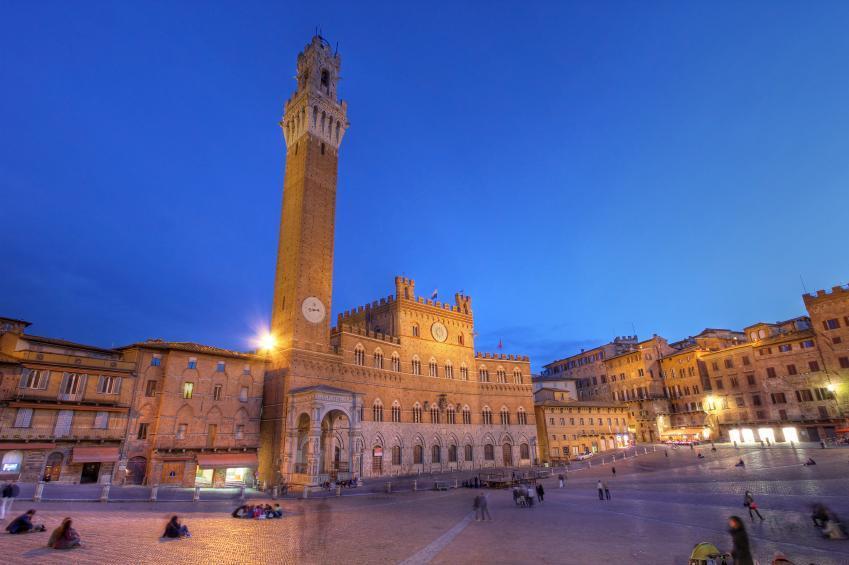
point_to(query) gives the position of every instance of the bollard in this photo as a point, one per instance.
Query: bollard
(104, 494)
(338, 490)
(589, 464)
(415, 486)
(645, 450)
(196, 496)
(306, 493)
(154, 490)
(274, 492)
(456, 483)
(242, 493)
(39, 490)
(388, 488)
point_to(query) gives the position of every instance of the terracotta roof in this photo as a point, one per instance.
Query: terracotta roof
(190, 347)
(66, 343)
(15, 320)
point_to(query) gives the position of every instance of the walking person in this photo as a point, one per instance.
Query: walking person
(749, 502)
(10, 493)
(606, 491)
(614, 471)
(484, 508)
(540, 492)
(741, 552)
(600, 488)
(561, 479)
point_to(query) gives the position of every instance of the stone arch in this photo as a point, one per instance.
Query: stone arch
(505, 437)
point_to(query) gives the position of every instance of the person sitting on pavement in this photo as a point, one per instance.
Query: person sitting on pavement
(175, 530)
(239, 512)
(278, 512)
(700, 456)
(810, 461)
(819, 515)
(64, 537)
(23, 524)
(740, 463)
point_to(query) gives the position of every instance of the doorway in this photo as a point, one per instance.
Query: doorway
(172, 472)
(91, 471)
(507, 453)
(136, 470)
(54, 467)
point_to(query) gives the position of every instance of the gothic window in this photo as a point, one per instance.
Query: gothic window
(468, 452)
(449, 370)
(464, 372)
(378, 359)
(460, 339)
(517, 376)
(524, 451)
(325, 81)
(396, 412)
(377, 411)
(435, 454)
(505, 416)
(415, 330)
(432, 369)
(396, 362)
(418, 455)
(452, 453)
(486, 413)
(501, 375)
(314, 116)
(467, 415)
(522, 416)
(396, 454)
(417, 365)
(417, 413)
(359, 355)
(451, 415)
(434, 414)
(483, 375)
(489, 452)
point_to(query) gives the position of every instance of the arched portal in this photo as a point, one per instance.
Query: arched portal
(335, 427)
(303, 456)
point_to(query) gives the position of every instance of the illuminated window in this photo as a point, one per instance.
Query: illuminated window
(187, 389)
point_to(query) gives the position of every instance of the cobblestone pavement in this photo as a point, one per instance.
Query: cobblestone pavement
(661, 506)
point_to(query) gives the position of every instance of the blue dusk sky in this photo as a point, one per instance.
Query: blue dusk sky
(582, 170)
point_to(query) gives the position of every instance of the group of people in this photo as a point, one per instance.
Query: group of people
(258, 511)
(481, 507)
(827, 522)
(523, 495)
(63, 537)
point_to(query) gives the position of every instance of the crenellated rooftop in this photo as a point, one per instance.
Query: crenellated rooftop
(501, 356)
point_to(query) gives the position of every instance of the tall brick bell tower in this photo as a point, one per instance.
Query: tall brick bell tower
(314, 122)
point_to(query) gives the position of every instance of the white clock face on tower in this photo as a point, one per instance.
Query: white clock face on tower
(313, 309)
(438, 331)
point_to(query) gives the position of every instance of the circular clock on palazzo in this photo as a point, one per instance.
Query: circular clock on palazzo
(439, 331)
(313, 309)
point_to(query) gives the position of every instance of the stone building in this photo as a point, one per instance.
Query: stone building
(567, 428)
(195, 419)
(396, 386)
(63, 407)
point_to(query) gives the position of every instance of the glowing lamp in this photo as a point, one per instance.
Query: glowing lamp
(831, 387)
(267, 342)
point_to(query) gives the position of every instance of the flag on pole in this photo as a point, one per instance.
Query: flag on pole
(435, 294)
(500, 344)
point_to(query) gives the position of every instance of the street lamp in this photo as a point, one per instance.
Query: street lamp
(267, 341)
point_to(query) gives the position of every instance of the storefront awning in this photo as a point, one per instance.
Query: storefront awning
(94, 454)
(222, 460)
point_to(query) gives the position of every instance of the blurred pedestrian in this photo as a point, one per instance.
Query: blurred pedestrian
(749, 502)
(64, 537)
(561, 478)
(540, 492)
(613, 470)
(606, 491)
(600, 488)
(10, 492)
(174, 529)
(741, 552)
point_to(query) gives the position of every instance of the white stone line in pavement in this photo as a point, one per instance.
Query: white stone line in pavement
(431, 550)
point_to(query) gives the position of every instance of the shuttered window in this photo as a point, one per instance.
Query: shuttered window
(23, 418)
(109, 385)
(34, 379)
(101, 420)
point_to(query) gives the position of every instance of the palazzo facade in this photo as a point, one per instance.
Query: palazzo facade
(396, 386)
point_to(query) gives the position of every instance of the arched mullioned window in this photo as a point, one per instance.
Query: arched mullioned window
(396, 411)
(435, 454)
(396, 454)
(489, 452)
(432, 369)
(396, 362)
(434, 414)
(464, 372)
(452, 453)
(486, 415)
(505, 416)
(468, 452)
(501, 375)
(483, 375)
(416, 365)
(524, 451)
(377, 411)
(417, 413)
(418, 454)
(359, 355)
(451, 415)
(449, 369)
(517, 376)
(521, 416)
(378, 358)
(415, 330)
(467, 415)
